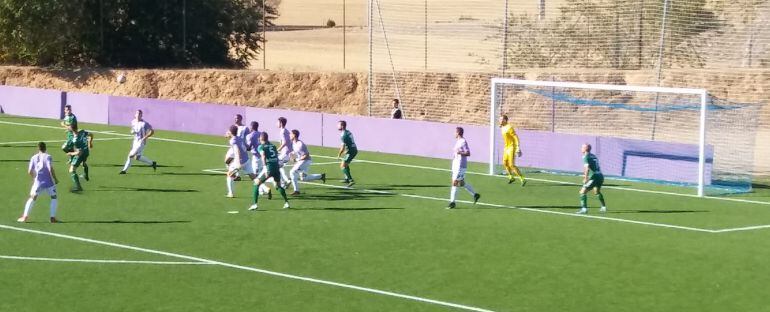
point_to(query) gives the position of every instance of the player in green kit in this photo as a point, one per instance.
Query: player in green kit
(68, 122)
(593, 181)
(349, 149)
(269, 154)
(82, 144)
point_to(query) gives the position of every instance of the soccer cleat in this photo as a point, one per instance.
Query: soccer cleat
(351, 183)
(451, 205)
(511, 180)
(253, 207)
(270, 194)
(582, 211)
(286, 205)
(476, 198)
(345, 181)
(154, 166)
(295, 193)
(238, 178)
(523, 183)
(603, 209)
(22, 219)
(323, 178)
(85, 176)
(53, 220)
(122, 172)
(230, 195)
(76, 189)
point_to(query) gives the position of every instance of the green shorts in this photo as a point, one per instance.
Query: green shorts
(595, 181)
(80, 159)
(272, 172)
(349, 157)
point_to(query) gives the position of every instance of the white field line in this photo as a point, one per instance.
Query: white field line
(325, 163)
(102, 261)
(746, 228)
(56, 141)
(447, 170)
(524, 209)
(246, 268)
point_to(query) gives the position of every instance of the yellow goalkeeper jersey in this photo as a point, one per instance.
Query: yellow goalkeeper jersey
(510, 138)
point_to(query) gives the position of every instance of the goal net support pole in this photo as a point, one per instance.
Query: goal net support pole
(494, 105)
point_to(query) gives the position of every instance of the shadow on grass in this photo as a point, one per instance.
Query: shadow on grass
(203, 174)
(142, 189)
(397, 187)
(14, 160)
(124, 222)
(338, 195)
(120, 166)
(346, 209)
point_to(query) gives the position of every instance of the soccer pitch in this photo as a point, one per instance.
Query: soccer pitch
(169, 240)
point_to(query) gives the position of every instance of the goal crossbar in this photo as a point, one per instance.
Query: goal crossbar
(703, 93)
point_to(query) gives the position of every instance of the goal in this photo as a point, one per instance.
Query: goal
(643, 133)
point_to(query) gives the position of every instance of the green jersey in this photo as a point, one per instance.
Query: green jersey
(270, 152)
(592, 162)
(348, 141)
(81, 141)
(70, 120)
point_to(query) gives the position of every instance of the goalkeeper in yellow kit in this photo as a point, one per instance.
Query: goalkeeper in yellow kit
(511, 150)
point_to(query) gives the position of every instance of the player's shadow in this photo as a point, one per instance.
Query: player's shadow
(142, 189)
(342, 195)
(119, 166)
(401, 187)
(203, 174)
(348, 209)
(655, 211)
(125, 222)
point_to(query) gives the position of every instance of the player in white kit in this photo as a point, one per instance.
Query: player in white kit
(243, 131)
(43, 179)
(460, 152)
(240, 161)
(284, 150)
(252, 143)
(301, 169)
(142, 131)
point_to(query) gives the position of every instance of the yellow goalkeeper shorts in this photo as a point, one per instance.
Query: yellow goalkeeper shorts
(509, 159)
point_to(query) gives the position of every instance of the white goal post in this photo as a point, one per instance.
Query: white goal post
(497, 83)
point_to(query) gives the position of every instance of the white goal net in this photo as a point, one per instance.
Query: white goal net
(662, 135)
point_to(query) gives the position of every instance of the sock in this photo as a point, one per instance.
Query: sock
(453, 194)
(229, 185)
(346, 172)
(75, 179)
(518, 173)
(255, 192)
(54, 201)
(282, 191)
(470, 189)
(28, 207)
(85, 169)
(127, 165)
(295, 180)
(583, 201)
(601, 199)
(145, 160)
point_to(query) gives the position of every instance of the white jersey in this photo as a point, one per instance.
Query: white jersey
(300, 150)
(140, 129)
(460, 161)
(284, 139)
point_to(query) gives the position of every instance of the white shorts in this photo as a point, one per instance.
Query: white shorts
(230, 154)
(256, 165)
(137, 148)
(245, 167)
(302, 166)
(36, 189)
(283, 158)
(458, 174)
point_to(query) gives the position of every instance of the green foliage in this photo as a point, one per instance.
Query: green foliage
(131, 33)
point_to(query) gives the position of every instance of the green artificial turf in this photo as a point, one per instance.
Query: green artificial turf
(520, 249)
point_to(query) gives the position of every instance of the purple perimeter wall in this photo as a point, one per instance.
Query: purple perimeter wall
(554, 151)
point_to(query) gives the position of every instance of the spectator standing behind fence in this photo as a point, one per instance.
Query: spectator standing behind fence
(396, 113)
